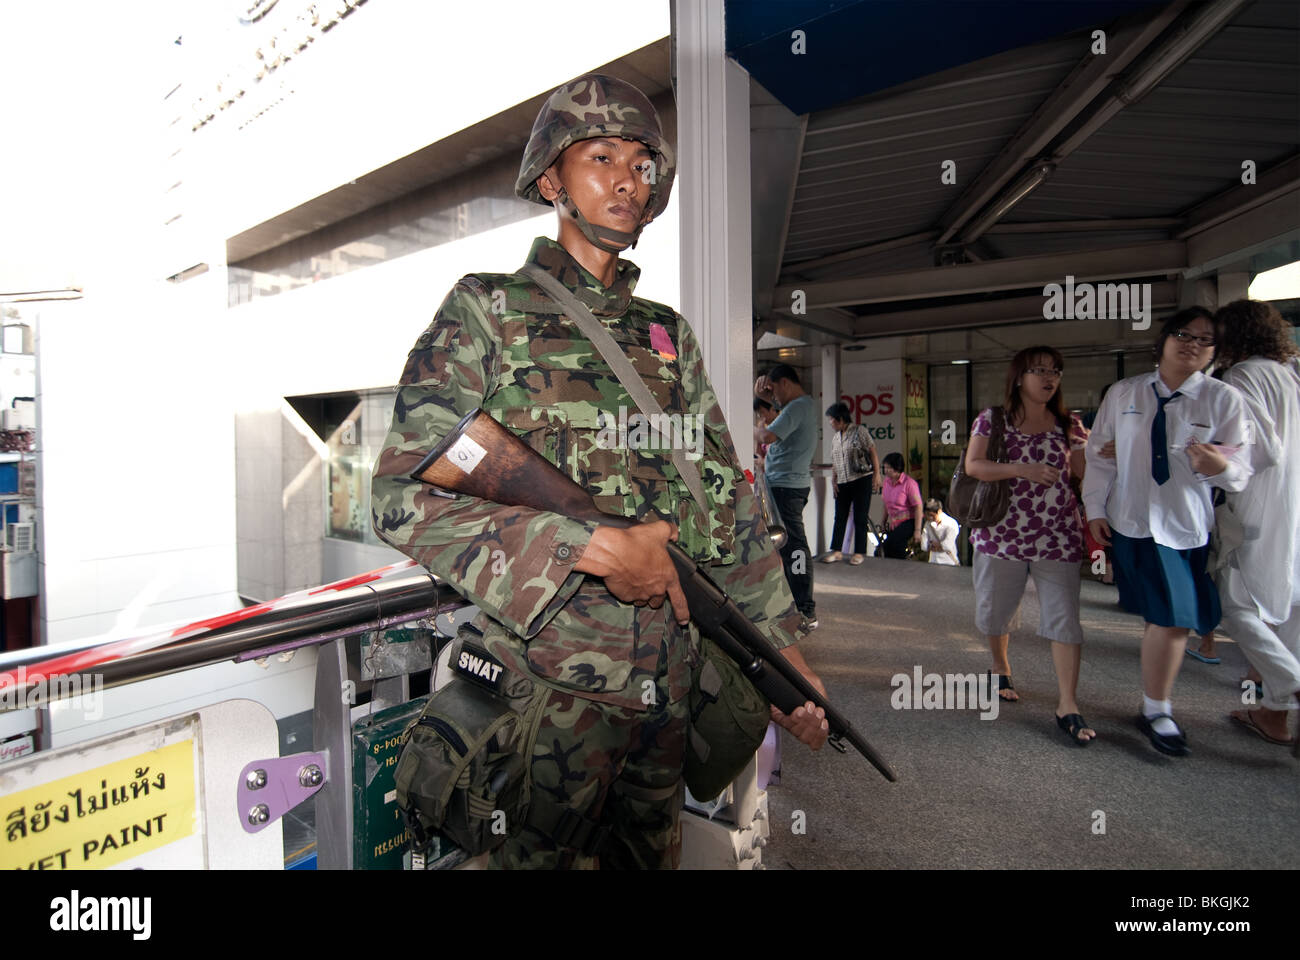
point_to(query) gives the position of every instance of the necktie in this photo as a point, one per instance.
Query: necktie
(1159, 440)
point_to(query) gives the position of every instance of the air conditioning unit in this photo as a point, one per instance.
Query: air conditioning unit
(20, 537)
(19, 418)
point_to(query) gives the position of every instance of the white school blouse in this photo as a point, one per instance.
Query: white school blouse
(1269, 507)
(1178, 513)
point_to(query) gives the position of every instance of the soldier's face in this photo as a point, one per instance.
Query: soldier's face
(607, 178)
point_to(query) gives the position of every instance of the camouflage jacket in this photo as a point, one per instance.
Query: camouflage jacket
(500, 343)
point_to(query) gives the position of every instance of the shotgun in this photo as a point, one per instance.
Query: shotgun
(481, 458)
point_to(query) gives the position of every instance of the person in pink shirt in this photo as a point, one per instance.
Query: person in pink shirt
(903, 505)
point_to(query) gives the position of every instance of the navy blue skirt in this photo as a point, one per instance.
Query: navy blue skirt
(1164, 586)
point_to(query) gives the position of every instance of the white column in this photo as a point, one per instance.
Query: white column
(713, 184)
(713, 192)
(830, 392)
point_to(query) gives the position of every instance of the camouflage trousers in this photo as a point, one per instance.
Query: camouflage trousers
(616, 767)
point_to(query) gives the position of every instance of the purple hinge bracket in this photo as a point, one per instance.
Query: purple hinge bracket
(268, 789)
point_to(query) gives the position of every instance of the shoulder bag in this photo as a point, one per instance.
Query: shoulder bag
(859, 453)
(981, 503)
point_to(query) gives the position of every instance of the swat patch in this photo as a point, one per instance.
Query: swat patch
(476, 664)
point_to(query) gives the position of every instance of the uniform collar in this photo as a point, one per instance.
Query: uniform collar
(1190, 388)
(611, 301)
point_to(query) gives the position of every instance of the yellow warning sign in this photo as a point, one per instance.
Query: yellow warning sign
(103, 816)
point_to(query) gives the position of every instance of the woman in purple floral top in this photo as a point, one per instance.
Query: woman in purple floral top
(1040, 536)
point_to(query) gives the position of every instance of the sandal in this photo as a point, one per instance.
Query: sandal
(1074, 724)
(1004, 683)
(1174, 744)
(833, 557)
(857, 559)
(1248, 721)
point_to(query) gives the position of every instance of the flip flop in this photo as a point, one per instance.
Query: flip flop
(1249, 723)
(1195, 655)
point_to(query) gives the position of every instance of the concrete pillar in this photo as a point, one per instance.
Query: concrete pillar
(713, 194)
(1232, 286)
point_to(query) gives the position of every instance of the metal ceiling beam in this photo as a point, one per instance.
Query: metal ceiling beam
(1194, 29)
(958, 315)
(1136, 261)
(1279, 179)
(832, 321)
(1075, 226)
(1256, 226)
(878, 247)
(794, 187)
(1088, 79)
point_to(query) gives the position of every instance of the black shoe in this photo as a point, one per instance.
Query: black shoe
(1173, 744)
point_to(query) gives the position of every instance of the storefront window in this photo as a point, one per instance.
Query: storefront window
(353, 426)
(948, 421)
(355, 443)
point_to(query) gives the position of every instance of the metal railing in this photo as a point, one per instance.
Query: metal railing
(371, 602)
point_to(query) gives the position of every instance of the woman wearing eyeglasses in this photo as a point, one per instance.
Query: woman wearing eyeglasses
(1040, 535)
(1176, 434)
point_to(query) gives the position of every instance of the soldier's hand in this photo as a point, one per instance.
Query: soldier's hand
(635, 564)
(808, 723)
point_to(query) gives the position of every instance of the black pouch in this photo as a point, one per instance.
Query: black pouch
(463, 768)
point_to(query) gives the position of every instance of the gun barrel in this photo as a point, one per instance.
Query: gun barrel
(760, 660)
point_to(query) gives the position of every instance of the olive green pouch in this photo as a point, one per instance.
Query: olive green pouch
(729, 719)
(463, 768)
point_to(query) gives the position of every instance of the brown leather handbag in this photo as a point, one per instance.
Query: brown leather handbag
(981, 503)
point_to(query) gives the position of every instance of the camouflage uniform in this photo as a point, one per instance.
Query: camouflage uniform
(610, 746)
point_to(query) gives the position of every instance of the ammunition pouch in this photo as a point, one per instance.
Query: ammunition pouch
(463, 770)
(729, 719)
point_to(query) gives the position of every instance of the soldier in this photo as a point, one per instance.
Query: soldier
(579, 607)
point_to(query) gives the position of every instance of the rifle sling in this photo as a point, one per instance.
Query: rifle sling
(594, 331)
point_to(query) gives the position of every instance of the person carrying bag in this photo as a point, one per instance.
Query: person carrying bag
(855, 474)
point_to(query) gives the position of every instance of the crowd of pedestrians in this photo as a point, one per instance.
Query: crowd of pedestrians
(1186, 478)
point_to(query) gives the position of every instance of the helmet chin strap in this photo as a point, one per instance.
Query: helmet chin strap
(603, 238)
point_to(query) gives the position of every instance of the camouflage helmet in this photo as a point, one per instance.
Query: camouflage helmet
(592, 106)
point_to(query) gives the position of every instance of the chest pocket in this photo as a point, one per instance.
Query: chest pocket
(1185, 421)
(624, 460)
